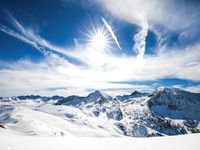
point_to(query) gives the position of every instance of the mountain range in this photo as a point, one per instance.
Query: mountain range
(164, 111)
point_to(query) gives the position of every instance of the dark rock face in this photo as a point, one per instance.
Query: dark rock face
(56, 97)
(154, 134)
(139, 130)
(1, 126)
(122, 128)
(29, 97)
(135, 94)
(71, 101)
(101, 101)
(164, 126)
(174, 99)
(115, 111)
(36, 97)
(191, 123)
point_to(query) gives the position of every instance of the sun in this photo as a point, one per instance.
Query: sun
(98, 38)
(99, 41)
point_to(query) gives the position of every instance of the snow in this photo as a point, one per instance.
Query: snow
(183, 142)
(101, 116)
(32, 124)
(43, 119)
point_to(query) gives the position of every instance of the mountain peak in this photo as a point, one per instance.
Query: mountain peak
(168, 90)
(96, 95)
(174, 98)
(97, 92)
(135, 93)
(160, 88)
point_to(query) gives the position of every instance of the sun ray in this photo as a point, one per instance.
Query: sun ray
(99, 38)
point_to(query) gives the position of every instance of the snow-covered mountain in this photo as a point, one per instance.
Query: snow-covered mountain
(135, 94)
(94, 97)
(165, 111)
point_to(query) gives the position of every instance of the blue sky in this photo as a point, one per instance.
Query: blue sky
(72, 47)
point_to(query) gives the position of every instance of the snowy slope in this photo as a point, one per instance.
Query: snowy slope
(165, 111)
(183, 142)
(41, 119)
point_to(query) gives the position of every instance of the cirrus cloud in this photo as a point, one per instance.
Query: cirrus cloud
(100, 70)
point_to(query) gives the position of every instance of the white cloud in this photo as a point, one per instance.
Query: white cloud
(164, 17)
(101, 70)
(172, 14)
(140, 40)
(25, 76)
(194, 89)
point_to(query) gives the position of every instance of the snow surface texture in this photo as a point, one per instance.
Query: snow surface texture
(165, 111)
(184, 142)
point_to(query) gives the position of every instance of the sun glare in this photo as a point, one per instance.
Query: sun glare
(99, 38)
(99, 41)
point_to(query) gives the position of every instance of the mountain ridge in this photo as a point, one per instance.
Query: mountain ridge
(164, 111)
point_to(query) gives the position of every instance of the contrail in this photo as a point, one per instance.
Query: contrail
(111, 31)
(140, 39)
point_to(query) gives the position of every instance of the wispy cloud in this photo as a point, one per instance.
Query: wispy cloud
(140, 40)
(157, 12)
(171, 15)
(29, 36)
(111, 32)
(102, 70)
